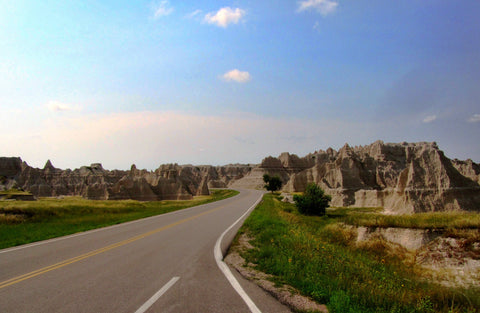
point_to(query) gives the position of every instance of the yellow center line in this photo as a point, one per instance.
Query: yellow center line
(47, 269)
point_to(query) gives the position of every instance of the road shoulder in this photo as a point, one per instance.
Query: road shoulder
(289, 297)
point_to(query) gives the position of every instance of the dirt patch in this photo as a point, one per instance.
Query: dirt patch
(452, 261)
(411, 239)
(449, 261)
(287, 295)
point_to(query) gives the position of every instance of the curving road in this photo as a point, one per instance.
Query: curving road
(164, 263)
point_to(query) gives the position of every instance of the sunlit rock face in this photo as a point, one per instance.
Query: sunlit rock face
(468, 168)
(402, 178)
(169, 182)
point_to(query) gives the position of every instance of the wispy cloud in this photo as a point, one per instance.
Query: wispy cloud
(429, 118)
(193, 14)
(475, 118)
(237, 76)
(57, 106)
(324, 7)
(225, 16)
(163, 9)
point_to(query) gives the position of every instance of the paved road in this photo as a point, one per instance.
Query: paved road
(160, 264)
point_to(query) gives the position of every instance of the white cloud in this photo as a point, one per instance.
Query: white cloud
(237, 76)
(429, 119)
(225, 16)
(474, 119)
(56, 106)
(163, 9)
(324, 7)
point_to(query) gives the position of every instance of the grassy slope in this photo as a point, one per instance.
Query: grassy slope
(28, 221)
(14, 192)
(315, 255)
(436, 220)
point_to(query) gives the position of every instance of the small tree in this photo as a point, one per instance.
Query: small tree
(272, 183)
(314, 201)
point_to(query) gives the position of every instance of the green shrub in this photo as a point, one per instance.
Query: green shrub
(272, 183)
(313, 202)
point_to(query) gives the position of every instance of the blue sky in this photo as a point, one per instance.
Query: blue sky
(216, 82)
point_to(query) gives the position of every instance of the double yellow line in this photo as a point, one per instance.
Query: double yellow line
(47, 269)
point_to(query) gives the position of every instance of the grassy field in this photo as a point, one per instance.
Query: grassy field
(316, 256)
(28, 221)
(436, 220)
(14, 192)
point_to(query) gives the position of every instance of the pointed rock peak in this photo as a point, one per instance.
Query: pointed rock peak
(345, 151)
(377, 145)
(284, 157)
(133, 168)
(48, 165)
(330, 151)
(376, 150)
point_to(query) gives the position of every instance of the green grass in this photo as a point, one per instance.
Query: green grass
(23, 222)
(13, 194)
(14, 191)
(315, 255)
(437, 220)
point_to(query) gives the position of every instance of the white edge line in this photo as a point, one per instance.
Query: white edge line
(157, 295)
(226, 271)
(91, 231)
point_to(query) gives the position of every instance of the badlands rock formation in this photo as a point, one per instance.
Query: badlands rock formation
(168, 182)
(468, 168)
(92, 182)
(402, 178)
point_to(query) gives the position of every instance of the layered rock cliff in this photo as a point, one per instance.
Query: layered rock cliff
(168, 182)
(94, 182)
(402, 178)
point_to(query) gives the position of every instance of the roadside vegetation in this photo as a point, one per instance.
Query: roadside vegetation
(319, 256)
(272, 183)
(433, 220)
(23, 222)
(13, 191)
(314, 201)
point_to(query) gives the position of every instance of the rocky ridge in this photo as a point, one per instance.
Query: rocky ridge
(400, 177)
(168, 182)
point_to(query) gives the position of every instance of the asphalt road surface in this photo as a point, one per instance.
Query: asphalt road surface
(164, 263)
